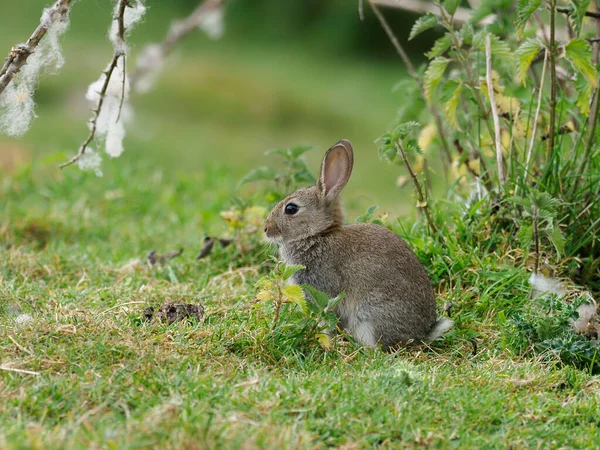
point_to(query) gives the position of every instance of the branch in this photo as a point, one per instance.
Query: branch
(462, 15)
(178, 31)
(592, 14)
(119, 53)
(18, 55)
(494, 108)
(413, 73)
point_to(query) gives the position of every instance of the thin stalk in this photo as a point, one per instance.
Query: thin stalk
(536, 239)
(494, 109)
(552, 73)
(421, 196)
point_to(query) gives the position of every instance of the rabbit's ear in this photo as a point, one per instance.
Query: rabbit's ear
(336, 169)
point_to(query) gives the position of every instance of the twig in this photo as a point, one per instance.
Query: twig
(118, 53)
(413, 73)
(18, 55)
(461, 16)
(12, 369)
(361, 10)
(535, 121)
(494, 108)
(178, 31)
(592, 14)
(122, 304)
(552, 72)
(420, 195)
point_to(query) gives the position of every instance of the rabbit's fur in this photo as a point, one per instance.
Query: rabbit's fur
(388, 298)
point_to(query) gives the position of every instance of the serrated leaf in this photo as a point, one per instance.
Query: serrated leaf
(259, 174)
(500, 49)
(295, 152)
(433, 75)
(557, 238)
(584, 99)
(525, 9)
(388, 153)
(526, 53)
(525, 235)
(320, 297)
(440, 46)
(579, 53)
(451, 6)
(304, 176)
(289, 270)
(422, 24)
(324, 341)
(264, 295)
(450, 106)
(577, 10)
(294, 294)
(332, 304)
(367, 216)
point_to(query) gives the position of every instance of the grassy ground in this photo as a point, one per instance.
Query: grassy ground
(107, 379)
(72, 257)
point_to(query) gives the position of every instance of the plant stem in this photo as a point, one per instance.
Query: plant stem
(494, 109)
(552, 73)
(536, 239)
(413, 73)
(421, 196)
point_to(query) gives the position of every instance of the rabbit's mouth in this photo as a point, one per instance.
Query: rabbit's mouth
(272, 232)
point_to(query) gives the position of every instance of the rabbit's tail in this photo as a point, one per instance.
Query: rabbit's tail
(440, 327)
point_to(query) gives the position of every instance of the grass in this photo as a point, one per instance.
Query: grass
(105, 378)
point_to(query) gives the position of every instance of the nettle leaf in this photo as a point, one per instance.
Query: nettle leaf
(577, 10)
(324, 341)
(290, 270)
(422, 24)
(484, 9)
(555, 235)
(440, 46)
(294, 294)
(584, 99)
(525, 9)
(451, 92)
(525, 235)
(579, 53)
(500, 49)
(526, 53)
(367, 216)
(304, 176)
(320, 298)
(451, 6)
(295, 152)
(434, 74)
(259, 174)
(388, 152)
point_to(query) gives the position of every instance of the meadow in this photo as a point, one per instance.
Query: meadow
(82, 368)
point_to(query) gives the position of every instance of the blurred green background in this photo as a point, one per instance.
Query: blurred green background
(285, 73)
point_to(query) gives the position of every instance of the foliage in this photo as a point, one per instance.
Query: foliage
(545, 201)
(294, 174)
(317, 320)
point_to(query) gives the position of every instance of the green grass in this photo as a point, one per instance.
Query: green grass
(107, 379)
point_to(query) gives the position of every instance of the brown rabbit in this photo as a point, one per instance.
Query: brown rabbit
(388, 298)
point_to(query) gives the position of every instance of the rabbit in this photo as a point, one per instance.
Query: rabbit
(388, 298)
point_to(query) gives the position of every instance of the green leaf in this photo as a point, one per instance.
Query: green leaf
(423, 23)
(324, 340)
(433, 75)
(525, 235)
(333, 302)
(526, 53)
(440, 46)
(294, 294)
(577, 10)
(451, 99)
(289, 270)
(500, 49)
(304, 176)
(388, 153)
(584, 99)
(295, 152)
(259, 174)
(320, 298)
(556, 237)
(366, 217)
(579, 53)
(451, 6)
(525, 9)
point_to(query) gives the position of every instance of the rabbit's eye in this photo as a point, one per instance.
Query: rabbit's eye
(291, 209)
